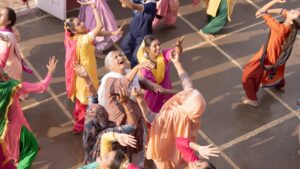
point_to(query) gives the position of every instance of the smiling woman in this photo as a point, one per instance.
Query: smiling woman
(150, 50)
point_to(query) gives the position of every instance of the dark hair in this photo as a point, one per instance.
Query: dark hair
(148, 40)
(11, 16)
(69, 25)
(118, 159)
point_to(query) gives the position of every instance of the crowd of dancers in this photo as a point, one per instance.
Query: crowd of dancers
(132, 113)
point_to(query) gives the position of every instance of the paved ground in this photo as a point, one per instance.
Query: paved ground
(250, 138)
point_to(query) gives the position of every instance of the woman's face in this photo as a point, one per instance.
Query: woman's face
(4, 17)
(79, 26)
(154, 49)
(119, 61)
(107, 159)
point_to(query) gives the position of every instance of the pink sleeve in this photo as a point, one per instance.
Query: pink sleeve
(167, 54)
(4, 57)
(187, 153)
(39, 87)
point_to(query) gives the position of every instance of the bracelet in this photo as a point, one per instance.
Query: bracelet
(281, 11)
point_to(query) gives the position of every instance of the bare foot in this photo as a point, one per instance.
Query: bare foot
(207, 36)
(246, 100)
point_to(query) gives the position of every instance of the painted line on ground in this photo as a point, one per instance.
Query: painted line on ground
(232, 60)
(257, 131)
(209, 141)
(52, 94)
(29, 106)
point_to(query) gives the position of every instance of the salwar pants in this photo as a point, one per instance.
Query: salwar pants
(217, 23)
(79, 115)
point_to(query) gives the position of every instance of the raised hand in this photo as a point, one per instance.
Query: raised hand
(137, 93)
(120, 30)
(208, 151)
(51, 66)
(178, 45)
(174, 56)
(123, 96)
(126, 140)
(81, 72)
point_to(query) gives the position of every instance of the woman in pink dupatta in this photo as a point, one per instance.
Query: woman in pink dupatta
(168, 10)
(179, 117)
(109, 23)
(11, 62)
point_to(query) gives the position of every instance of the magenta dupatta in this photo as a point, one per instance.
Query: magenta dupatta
(70, 45)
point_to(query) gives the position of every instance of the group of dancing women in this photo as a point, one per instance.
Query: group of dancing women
(132, 114)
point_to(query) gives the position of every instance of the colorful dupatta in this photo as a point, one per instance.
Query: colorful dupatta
(159, 71)
(70, 45)
(7, 93)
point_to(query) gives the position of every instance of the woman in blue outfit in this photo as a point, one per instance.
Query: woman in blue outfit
(144, 13)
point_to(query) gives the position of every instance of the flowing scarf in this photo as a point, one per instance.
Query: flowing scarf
(7, 92)
(14, 45)
(159, 71)
(70, 45)
(286, 47)
(101, 90)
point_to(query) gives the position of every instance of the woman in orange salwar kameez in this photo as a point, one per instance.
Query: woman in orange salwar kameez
(267, 66)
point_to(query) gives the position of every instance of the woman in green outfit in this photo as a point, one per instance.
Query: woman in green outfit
(219, 12)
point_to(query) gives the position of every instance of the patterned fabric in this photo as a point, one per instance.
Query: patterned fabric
(7, 91)
(116, 112)
(96, 124)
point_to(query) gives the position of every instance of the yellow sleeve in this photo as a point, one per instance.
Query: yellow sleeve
(106, 143)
